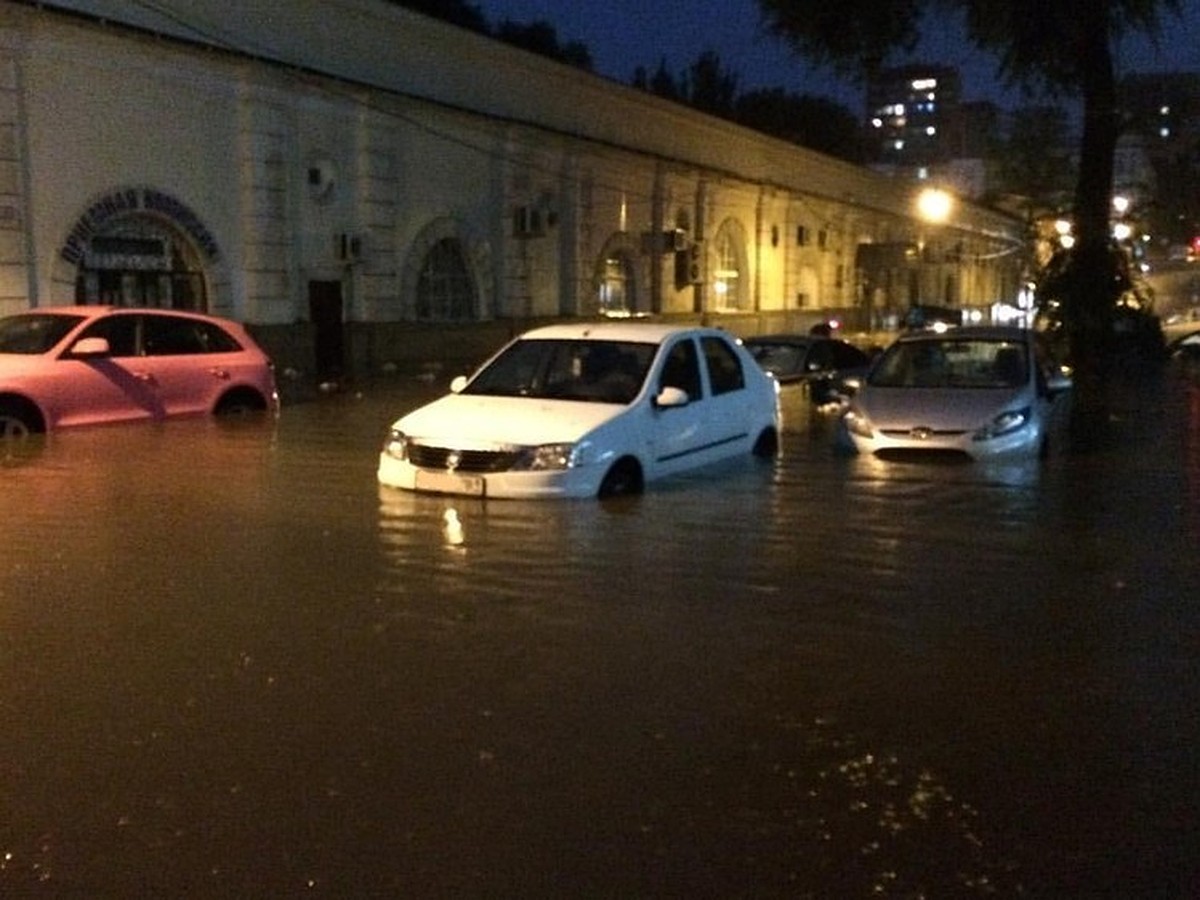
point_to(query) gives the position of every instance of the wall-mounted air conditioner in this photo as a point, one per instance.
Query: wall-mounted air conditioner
(349, 247)
(528, 221)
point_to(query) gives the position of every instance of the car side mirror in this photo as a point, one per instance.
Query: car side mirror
(671, 397)
(458, 383)
(91, 347)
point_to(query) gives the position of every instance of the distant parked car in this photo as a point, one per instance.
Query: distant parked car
(80, 365)
(820, 363)
(973, 392)
(1186, 347)
(925, 316)
(587, 410)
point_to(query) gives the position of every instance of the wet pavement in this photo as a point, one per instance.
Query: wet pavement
(231, 665)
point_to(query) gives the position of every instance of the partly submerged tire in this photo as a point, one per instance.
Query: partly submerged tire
(18, 422)
(767, 444)
(240, 403)
(622, 480)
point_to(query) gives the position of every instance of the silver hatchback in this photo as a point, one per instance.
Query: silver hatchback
(975, 392)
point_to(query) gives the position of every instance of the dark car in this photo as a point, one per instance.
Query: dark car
(1186, 347)
(821, 364)
(929, 317)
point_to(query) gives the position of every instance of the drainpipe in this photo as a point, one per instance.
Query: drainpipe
(700, 289)
(657, 227)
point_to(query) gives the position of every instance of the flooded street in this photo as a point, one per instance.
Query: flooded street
(231, 665)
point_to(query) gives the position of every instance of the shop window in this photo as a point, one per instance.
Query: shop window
(616, 286)
(139, 262)
(445, 288)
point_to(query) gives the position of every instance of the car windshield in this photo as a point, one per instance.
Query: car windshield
(34, 334)
(950, 363)
(589, 370)
(780, 359)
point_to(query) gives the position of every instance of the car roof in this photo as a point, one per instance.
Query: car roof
(969, 332)
(62, 310)
(638, 332)
(95, 310)
(788, 338)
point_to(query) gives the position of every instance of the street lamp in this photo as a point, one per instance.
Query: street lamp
(934, 205)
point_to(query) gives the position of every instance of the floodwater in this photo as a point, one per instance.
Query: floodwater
(232, 666)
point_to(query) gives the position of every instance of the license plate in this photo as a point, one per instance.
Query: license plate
(449, 483)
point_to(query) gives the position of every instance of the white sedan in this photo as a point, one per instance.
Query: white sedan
(975, 392)
(587, 410)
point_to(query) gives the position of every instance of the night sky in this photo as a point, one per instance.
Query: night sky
(623, 34)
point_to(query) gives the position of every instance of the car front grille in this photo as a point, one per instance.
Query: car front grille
(921, 433)
(426, 457)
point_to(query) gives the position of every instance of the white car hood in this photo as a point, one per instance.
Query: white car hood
(482, 422)
(960, 409)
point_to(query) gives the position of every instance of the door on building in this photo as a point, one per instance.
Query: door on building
(325, 313)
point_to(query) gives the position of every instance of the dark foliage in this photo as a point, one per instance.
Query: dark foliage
(814, 122)
(456, 12)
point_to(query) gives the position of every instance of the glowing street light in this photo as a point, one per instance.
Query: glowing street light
(934, 205)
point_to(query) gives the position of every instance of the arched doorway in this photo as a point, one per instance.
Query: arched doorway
(615, 287)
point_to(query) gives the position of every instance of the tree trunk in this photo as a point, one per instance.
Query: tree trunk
(1092, 286)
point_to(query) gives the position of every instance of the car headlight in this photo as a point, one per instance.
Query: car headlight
(858, 424)
(551, 457)
(1005, 423)
(396, 445)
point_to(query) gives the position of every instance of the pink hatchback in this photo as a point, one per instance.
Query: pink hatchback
(79, 365)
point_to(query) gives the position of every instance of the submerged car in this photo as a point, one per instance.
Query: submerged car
(82, 365)
(1185, 347)
(973, 392)
(822, 364)
(587, 410)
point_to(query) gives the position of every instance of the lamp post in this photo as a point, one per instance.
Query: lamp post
(934, 207)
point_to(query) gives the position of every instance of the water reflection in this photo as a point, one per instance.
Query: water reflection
(231, 664)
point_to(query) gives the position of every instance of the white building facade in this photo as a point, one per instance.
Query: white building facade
(371, 188)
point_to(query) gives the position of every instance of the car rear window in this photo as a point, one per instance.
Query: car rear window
(176, 336)
(34, 334)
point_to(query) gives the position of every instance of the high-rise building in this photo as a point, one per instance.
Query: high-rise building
(913, 112)
(1162, 112)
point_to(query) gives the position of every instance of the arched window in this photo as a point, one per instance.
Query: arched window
(445, 289)
(729, 254)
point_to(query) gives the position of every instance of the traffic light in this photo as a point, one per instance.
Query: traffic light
(689, 265)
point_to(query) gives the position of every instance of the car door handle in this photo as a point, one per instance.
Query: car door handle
(144, 377)
(222, 374)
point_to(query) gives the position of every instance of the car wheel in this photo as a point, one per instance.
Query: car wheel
(767, 444)
(623, 479)
(240, 403)
(17, 422)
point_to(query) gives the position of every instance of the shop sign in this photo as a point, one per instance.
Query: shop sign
(130, 201)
